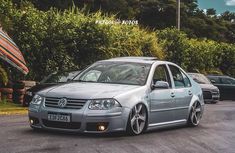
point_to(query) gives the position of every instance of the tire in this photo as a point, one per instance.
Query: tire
(195, 114)
(214, 102)
(137, 121)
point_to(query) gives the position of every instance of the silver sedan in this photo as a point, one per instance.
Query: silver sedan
(131, 94)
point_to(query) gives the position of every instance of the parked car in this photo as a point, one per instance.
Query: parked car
(130, 94)
(210, 92)
(225, 84)
(51, 80)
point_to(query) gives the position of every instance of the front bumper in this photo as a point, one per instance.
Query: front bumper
(82, 120)
(211, 96)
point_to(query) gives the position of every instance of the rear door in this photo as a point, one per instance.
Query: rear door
(227, 88)
(183, 92)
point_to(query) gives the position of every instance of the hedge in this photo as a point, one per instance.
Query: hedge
(197, 55)
(67, 40)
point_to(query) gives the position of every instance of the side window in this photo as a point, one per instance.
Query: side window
(180, 79)
(215, 80)
(161, 74)
(227, 81)
(187, 82)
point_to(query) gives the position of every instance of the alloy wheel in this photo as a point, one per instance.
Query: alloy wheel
(138, 119)
(196, 114)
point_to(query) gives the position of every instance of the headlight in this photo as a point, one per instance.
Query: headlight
(103, 104)
(37, 100)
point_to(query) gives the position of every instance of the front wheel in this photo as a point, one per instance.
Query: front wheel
(214, 102)
(195, 114)
(137, 120)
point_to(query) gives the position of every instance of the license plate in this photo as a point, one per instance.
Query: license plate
(58, 117)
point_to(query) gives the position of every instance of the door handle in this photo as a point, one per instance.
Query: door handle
(190, 92)
(172, 95)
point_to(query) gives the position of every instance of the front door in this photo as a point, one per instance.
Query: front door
(161, 100)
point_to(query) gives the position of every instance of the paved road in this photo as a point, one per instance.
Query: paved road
(216, 133)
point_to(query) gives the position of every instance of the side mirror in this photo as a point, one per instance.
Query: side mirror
(161, 85)
(69, 80)
(212, 81)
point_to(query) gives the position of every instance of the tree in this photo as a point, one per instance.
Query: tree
(211, 12)
(228, 16)
(156, 14)
(3, 77)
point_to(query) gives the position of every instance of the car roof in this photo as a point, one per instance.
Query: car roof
(194, 73)
(218, 76)
(147, 60)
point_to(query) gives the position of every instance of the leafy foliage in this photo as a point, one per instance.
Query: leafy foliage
(205, 56)
(67, 39)
(158, 14)
(3, 76)
(56, 40)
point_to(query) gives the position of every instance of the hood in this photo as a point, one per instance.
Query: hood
(83, 90)
(40, 86)
(208, 87)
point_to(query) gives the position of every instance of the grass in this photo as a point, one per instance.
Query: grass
(7, 108)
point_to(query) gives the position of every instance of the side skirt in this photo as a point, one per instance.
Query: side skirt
(166, 124)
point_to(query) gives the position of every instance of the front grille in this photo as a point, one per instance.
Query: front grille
(71, 103)
(215, 92)
(207, 95)
(62, 125)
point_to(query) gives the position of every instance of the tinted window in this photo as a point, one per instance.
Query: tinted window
(200, 78)
(214, 79)
(227, 81)
(161, 74)
(180, 79)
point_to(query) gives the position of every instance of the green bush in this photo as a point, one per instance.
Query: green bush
(64, 40)
(55, 40)
(225, 58)
(175, 45)
(3, 77)
(199, 55)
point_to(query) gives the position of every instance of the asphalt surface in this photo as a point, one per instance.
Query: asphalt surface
(216, 133)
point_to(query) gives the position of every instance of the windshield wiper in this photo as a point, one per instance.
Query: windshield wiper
(82, 81)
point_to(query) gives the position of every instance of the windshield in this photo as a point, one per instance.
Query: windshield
(200, 78)
(60, 77)
(115, 72)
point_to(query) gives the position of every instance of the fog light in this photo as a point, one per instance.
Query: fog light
(31, 122)
(101, 128)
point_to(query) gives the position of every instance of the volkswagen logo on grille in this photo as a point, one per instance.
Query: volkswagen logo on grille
(62, 102)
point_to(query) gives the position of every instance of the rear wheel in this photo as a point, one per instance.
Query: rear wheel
(137, 120)
(195, 114)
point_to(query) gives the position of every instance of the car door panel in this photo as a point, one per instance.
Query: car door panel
(161, 106)
(182, 91)
(162, 100)
(183, 98)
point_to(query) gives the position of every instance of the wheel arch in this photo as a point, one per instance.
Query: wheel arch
(147, 109)
(193, 100)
